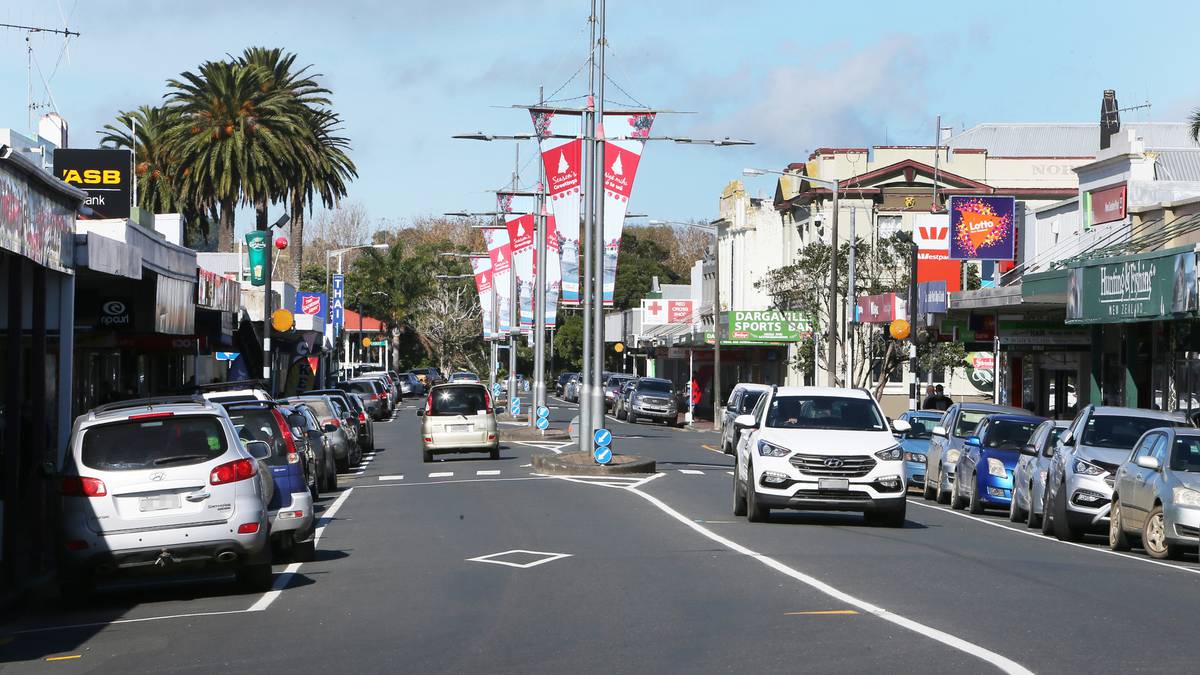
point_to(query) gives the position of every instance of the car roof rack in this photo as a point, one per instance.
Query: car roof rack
(233, 384)
(149, 402)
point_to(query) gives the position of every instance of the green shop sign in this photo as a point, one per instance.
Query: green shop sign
(256, 246)
(767, 326)
(1159, 285)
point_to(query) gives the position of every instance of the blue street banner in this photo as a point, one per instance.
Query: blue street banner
(931, 297)
(338, 301)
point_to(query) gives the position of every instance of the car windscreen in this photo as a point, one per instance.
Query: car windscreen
(922, 426)
(1185, 456)
(259, 424)
(654, 386)
(154, 443)
(464, 400)
(360, 387)
(616, 381)
(319, 407)
(824, 412)
(967, 421)
(749, 400)
(1120, 431)
(1009, 434)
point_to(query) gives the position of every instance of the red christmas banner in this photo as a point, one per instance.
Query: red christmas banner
(500, 253)
(625, 134)
(562, 158)
(482, 269)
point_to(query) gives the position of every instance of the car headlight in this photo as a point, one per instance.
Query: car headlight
(952, 456)
(1086, 468)
(915, 457)
(766, 449)
(996, 468)
(891, 454)
(1186, 497)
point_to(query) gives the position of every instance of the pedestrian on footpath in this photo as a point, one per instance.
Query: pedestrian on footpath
(938, 400)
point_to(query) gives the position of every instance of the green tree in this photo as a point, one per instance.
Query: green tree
(235, 137)
(641, 260)
(1195, 121)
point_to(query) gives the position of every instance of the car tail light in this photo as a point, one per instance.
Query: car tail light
(429, 405)
(362, 417)
(150, 416)
(82, 486)
(334, 421)
(487, 399)
(428, 439)
(232, 472)
(293, 457)
(384, 396)
(374, 397)
(247, 528)
(76, 545)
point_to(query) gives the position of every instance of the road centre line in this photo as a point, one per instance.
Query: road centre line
(691, 472)
(1003, 663)
(397, 477)
(824, 612)
(1054, 540)
(488, 472)
(441, 474)
(450, 482)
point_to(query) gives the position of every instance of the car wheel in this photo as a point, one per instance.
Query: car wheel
(976, 505)
(304, 551)
(427, 455)
(1047, 515)
(357, 458)
(1016, 514)
(893, 517)
(631, 417)
(255, 578)
(929, 492)
(1154, 537)
(755, 512)
(77, 586)
(739, 494)
(343, 465)
(956, 502)
(331, 480)
(494, 453)
(1117, 539)
(943, 496)
(1062, 526)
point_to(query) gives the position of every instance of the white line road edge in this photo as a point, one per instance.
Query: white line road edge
(1036, 534)
(1003, 663)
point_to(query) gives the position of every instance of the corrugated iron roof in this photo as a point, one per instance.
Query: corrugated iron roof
(1177, 165)
(1063, 140)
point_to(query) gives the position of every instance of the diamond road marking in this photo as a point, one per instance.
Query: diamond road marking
(441, 474)
(493, 558)
(691, 472)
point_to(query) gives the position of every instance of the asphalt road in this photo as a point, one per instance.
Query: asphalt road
(473, 565)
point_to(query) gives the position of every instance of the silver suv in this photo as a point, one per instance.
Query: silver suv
(1079, 482)
(158, 484)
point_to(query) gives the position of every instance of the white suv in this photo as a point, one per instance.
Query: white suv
(819, 449)
(159, 484)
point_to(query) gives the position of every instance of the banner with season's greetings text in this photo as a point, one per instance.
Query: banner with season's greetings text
(563, 160)
(521, 240)
(553, 272)
(625, 136)
(499, 253)
(482, 269)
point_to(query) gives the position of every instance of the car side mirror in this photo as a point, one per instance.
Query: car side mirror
(420, 412)
(939, 431)
(901, 426)
(1067, 438)
(330, 428)
(1028, 450)
(745, 422)
(296, 420)
(1147, 462)
(973, 440)
(258, 449)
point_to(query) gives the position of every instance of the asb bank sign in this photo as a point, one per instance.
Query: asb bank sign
(103, 174)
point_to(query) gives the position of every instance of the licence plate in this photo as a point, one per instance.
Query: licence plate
(459, 428)
(833, 484)
(158, 503)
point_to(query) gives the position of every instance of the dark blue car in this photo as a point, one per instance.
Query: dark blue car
(989, 457)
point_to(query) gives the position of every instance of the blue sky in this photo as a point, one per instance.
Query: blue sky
(792, 76)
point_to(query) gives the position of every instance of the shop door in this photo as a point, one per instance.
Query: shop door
(1059, 395)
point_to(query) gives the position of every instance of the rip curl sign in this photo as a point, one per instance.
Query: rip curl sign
(114, 314)
(982, 228)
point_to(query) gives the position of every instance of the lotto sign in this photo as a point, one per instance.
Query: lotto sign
(338, 287)
(982, 228)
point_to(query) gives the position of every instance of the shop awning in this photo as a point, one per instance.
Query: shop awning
(107, 256)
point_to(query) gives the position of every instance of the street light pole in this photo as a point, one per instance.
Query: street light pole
(586, 423)
(597, 391)
(541, 264)
(268, 371)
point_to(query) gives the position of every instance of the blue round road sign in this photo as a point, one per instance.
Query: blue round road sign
(515, 408)
(542, 423)
(543, 411)
(496, 388)
(602, 437)
(603, 455)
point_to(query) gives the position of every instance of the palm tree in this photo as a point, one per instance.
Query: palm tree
(235, 138)
(321, 166)
(1196, 125)
(154, 169)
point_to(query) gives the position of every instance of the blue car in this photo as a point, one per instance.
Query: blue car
(989, 457)
(915, 443)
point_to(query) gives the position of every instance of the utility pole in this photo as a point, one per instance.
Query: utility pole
(831, 358)
(539, 294)
(851, 319)
(514, 300)
(597, 392)
(586, 423)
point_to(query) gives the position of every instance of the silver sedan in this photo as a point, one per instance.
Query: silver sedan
(1156, 494)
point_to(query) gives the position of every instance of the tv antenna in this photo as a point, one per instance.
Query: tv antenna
(31, 61)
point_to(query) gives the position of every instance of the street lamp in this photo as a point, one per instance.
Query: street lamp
(268, 374)
(831, 358)
(339, 253)
(715, 232)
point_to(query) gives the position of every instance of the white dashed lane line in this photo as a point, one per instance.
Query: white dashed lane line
(488, 472)
(442, 474)
(691, 472)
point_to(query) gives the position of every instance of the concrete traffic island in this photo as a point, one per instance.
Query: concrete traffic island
(582, 464)
(529, 434)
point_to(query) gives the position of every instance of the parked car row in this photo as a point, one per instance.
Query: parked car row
(224, 479)
(1128, 473)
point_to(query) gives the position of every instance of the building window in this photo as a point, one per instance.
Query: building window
(887, 225)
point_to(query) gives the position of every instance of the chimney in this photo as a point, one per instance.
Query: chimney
(1110, 118)
(53, 128)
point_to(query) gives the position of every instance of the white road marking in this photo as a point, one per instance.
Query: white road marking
(488, 472)
(691, 472)
(1037, 534)
(549, 557)
(1003, 663)
(729, 472)
(441, 474)
(391, 478)
(451, 482)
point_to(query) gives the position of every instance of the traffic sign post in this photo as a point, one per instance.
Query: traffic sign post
(543, 423)
(515, 407)
(602, 455)
(602, 452)
(543, 411)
